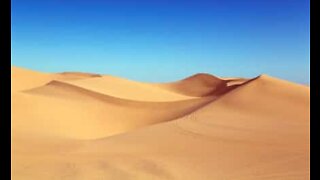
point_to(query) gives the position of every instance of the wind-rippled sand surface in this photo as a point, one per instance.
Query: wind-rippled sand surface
(92, 127)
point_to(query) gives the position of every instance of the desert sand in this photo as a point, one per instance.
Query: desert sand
(86, 126)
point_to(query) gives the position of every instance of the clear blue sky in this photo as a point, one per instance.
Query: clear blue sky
(164, 40)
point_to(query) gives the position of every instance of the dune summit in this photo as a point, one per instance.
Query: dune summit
(86, 126)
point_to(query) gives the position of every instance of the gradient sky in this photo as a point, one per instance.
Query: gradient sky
(164, 40)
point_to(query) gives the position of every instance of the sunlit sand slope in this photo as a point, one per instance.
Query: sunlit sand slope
(89, 126)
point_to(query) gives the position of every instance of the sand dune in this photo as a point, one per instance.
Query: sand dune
(92, 114)
(90, 126)
(198, 85)
(125, 89)
(23, 79)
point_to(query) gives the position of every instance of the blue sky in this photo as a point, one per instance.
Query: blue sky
(159, 41)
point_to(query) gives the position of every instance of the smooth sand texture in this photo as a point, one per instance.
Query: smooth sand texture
(91, 127)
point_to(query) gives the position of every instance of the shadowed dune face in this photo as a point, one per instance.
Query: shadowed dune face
(89, 126)
(198, 85)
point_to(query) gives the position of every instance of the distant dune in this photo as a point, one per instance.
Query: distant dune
(86, 126)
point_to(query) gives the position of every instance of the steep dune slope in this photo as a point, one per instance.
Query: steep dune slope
(203, 128)
(198, 85)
